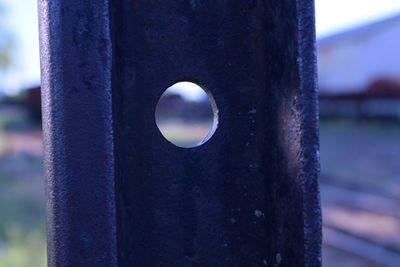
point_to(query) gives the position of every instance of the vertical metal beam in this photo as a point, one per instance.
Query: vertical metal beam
(309, 131)
(77, 125)
(247, 197)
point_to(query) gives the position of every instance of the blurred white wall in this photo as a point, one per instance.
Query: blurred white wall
(351, 60)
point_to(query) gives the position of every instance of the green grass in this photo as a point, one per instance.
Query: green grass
(22, 238)
(185, 134)
(364, 154)
(22, 234)
(23, 249)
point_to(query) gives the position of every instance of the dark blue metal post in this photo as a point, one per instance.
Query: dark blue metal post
(120, 194)
(76, 59)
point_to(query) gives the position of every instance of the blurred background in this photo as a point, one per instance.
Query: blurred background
(359, 90)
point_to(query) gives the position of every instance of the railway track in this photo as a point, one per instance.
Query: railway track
(362, 224)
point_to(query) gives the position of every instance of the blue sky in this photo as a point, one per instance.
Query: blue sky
(338, 15)
(331, 16)
(21, 19)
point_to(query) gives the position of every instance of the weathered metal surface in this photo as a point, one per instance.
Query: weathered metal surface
(77, 125)
(247, 197)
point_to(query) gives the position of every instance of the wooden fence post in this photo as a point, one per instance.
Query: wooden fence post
(119, 194)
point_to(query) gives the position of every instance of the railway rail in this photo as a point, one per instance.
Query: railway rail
(362, 224)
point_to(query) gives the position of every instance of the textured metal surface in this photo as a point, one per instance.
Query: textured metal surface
(247, 197)
(77, 124)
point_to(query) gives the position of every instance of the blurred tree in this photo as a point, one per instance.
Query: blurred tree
(6, 45)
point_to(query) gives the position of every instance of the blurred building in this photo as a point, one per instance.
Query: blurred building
(359, 71)
(28, 99)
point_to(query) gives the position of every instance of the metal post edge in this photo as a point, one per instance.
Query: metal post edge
(76, 60)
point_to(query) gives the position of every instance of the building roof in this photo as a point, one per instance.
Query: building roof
(360, 30)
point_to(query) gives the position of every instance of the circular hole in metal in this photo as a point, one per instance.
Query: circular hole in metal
(186, 114)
